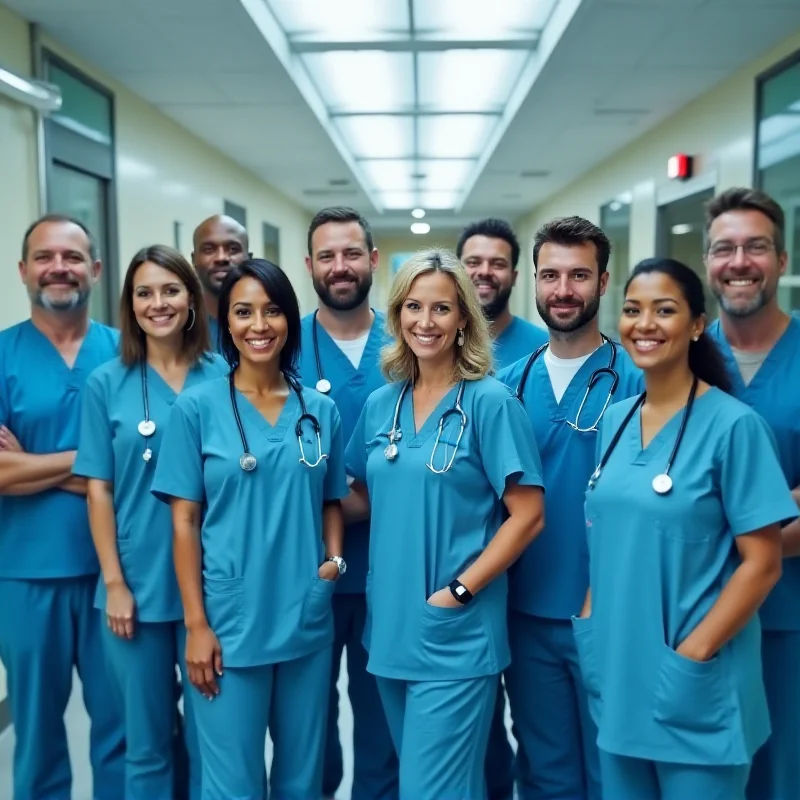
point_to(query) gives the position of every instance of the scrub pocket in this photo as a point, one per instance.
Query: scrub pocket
(224, 604)
(690, 698)
(583, 631)
(317, 606)
(453, 637)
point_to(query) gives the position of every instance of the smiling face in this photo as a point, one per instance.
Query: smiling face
(657, 325)
(568, 285)
(258, 327)
(431, 317)
(161, 301)
(58, 271)
(488, 261)
(742, 263)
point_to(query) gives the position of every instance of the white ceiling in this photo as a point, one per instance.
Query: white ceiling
(608, 71)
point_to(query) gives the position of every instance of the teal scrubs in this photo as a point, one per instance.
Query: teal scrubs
(557, 750)
(375, 767)
(111, 449)
(438, 668)
(261, 539)
(658, 563)
(518, 340)
(776, 767)
(48, 575)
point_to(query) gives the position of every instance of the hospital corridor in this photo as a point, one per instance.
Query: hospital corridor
(399, 399)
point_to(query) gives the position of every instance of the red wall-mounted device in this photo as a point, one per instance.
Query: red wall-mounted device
(679, 167)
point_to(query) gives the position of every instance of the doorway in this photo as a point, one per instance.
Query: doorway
(681, 223)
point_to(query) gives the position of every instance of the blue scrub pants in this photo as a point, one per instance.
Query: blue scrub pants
(557, 752)
(289, 699)
(776, 766)
(375, 765)
(47, 627)
(144, 669)
(638, 779)
(440, 730)
(499, 755)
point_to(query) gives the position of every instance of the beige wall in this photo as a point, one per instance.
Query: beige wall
(717, 128)
(164, 175)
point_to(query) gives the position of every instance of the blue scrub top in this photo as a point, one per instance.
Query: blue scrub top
(773, 395)
(551, 577)
(111, 449)
(350, 388)
(517, 341)
(46, 535)
(261, 532)
(658, 563)
(213, 331)
(428, 528)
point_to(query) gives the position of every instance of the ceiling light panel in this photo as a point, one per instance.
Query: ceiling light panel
(454, 135)
(451, 20)
(364, 81)
(440, 200)
(390, 175)
(378, 136)
(341, 20)
(468, 80)
(397, 200)
(444, 176)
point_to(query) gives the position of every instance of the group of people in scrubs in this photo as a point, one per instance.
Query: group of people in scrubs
(203, 511)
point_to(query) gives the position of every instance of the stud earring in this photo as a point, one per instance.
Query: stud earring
(695, 338)
(460, 337)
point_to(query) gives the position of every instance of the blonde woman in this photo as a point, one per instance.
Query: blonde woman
(445, 455)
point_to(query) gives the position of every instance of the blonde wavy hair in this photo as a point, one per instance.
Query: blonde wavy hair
(473, 360)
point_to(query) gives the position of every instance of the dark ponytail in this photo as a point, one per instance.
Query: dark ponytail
(705, 358)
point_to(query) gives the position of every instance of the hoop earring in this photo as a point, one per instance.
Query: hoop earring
(460, 337)
(191, 324)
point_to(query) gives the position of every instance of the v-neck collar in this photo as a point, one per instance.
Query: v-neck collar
(789, 338)
(273, 433)
(81, 355)
(580, 380)
(419, 437)
(344, 364)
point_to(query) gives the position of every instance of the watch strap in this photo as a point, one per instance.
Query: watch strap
(460, 592)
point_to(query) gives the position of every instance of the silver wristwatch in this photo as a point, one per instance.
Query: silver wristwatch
(341, 564)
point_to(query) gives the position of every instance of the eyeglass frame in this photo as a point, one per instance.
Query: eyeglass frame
(768, 243)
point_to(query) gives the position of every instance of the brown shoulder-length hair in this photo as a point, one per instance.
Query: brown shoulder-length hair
(196, 337)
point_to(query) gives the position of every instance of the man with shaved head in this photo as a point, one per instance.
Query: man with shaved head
(220, 243)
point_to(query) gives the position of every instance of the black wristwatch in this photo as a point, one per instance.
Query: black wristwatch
(460, 592)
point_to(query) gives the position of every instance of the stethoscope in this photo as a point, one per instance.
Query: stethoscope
(662, 484)
(247, 461)
(146, 427)
(323, 384)
(595, 377)
(396, 434)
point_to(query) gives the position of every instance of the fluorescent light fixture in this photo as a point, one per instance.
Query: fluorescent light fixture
(468, 80)
(454, 135)
(363, 81)
(378, 136)
(477, 19)
(43, 97)
(615, 205)
(396, 200)
(341, 20)
(418, 213)
(440, 200)
(680, 230)
(420, 227)
(444, 175)
(389, 175)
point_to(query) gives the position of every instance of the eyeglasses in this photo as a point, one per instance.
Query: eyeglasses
(726, 251)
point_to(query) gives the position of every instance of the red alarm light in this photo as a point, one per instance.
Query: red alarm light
(679, 167)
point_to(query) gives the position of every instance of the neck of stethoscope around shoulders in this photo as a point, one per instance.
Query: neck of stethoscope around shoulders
(247, 461)
(323, 384)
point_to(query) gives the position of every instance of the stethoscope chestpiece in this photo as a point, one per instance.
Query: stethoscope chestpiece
(662, 484)
(146, 427)
(390, 452)
(247, 461)
(323, 385)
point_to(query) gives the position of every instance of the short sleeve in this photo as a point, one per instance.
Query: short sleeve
(754, 489)
(4, 403)
(336, 477)
(356, 452)
(95, 456)
(179, 471)
(508, 447)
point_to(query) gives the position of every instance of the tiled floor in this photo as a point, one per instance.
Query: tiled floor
(78, 733)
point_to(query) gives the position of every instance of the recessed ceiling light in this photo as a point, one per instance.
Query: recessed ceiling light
(418, 213)
(420, 227)
(679, 230)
